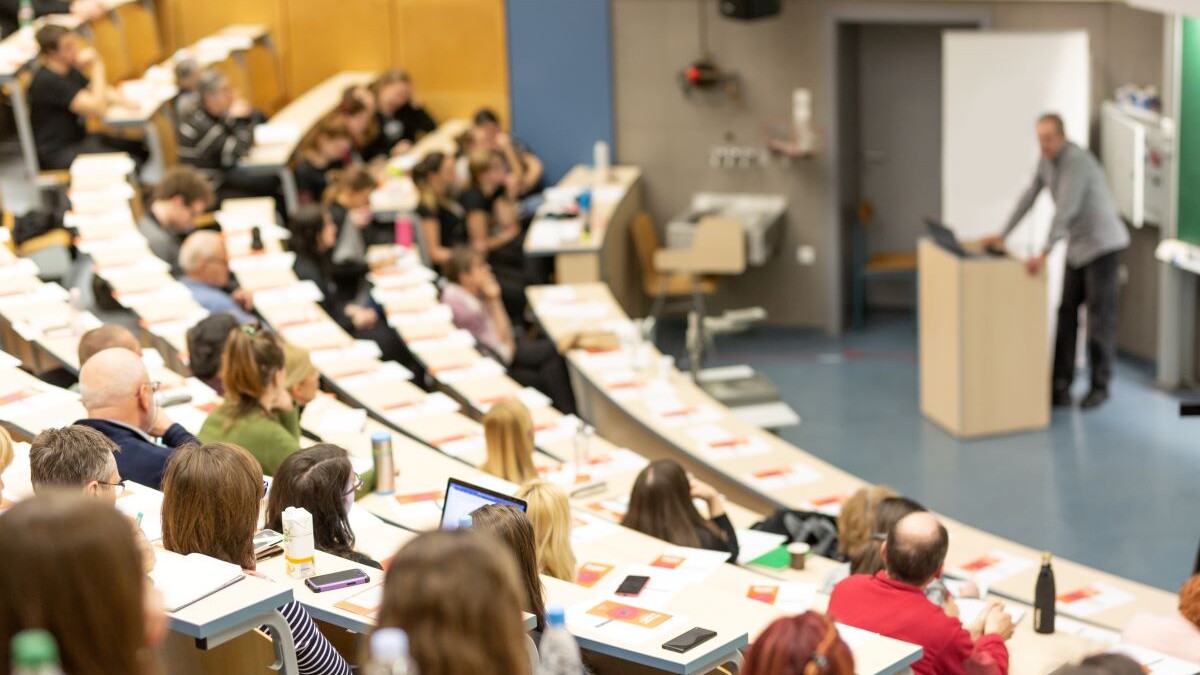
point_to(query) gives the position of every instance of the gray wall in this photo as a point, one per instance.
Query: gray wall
(669, 135)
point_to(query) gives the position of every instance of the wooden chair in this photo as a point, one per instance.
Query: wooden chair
(655, 284)
(143, 42)
(108, 38)
(265, 75)
(901, 265)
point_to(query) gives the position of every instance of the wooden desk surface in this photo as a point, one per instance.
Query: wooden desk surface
(244, 600)
(321, 605)
(606, 198)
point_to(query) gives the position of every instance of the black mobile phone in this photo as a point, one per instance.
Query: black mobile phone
(689, 639)
(334, 580)
(632, 585)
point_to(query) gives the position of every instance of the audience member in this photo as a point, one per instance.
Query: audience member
(194, 521)
(180, 198)
(187, 81)
(321, 480)
(473, 296)
(1104, 664)
(218, 133)
(323, 151)
(893, 602)
(119, 397)
(1176, 635)
(432, 590)
(75, 458)
(513, 529)
(357, 111)
(300, 376)
(205, 345)
(258, 414)
(71, 568)
(856, 517)
(348, 199)
(205, 265)
(550, 512)
(108, 336)
(62, 98)
(442, 224)
(525, 165)
(402, 120)
(494, 228)
(508, 432)
(806, 644)
(661, 506)
(84, 10)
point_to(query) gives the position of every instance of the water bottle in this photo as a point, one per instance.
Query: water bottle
(558, 652)
(582, 447)
(256, 240)
(1044, 599)
(584, 202)
(389, 653)
(78, 312)
(34, 652)
(385, 471)
(25, 15)
(404, 232)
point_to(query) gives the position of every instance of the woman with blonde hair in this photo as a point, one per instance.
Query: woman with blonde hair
(856, 524)
(550, 513)
(508, 431)
(6, 458)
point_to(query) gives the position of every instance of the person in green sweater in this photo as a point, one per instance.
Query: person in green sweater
(258, 413)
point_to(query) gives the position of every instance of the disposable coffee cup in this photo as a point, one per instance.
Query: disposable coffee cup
(799, 552)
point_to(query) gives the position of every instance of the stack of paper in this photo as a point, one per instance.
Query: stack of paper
(183, 580)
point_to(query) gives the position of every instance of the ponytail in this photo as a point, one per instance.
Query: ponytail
(252, 357)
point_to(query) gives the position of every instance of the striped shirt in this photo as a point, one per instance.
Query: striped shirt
(314, 654)
(208, 142)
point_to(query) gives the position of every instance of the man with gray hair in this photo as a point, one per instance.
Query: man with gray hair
(75, 458)
(119, 398)
(205, 265)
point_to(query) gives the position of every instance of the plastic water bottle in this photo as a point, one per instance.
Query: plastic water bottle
(34, 652)
(25, 15)
(558, 652)
(389, 653)
(582, 447)
(385, 467)
(404, 232)
(78, 312)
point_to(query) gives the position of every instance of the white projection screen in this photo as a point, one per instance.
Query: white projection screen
(994, 87)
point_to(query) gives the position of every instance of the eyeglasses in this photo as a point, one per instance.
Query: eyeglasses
(118, 487)
(357, 485)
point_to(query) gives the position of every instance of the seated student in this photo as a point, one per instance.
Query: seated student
(1175, 635)
(357, 112)
(71, 568)
(856, 517)
(300, 376)
(805, 644)
(217, 134)
(402, 121)
(348, 199)
(345, 297)
(512, 529)
(61, 98)
(494, 229)
(205, 345)
(1103, 664)
(893, 603)
(321, 480)
(442, 224)
(108, 336)
(182, 196)
(187, 80)
(508, 432)
(473, 296)
(660, 505)
(432, 590)
(195, 521)
(119, 397)
(258, 413)
(84, 10)
(324, 150)
(205, 265)
(550, 513)
(527, 169)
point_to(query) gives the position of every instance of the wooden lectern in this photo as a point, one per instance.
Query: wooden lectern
(984, 352)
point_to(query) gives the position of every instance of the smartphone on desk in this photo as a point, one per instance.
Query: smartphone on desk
(689, 640)
(632, 586)
(335, 580)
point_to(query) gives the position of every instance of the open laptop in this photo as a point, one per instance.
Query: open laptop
(462, 498)
(946, 238)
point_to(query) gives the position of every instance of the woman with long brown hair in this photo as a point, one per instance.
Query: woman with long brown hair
(508, 433)
(211, 495)
(71, 567)
(807, 644)
(324, 150)
(514, 530)
(402, 120)
(258, 413)
(442, 224)
(660, 505)
(433, 591)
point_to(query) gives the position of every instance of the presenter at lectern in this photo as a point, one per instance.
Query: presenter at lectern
(1087, 217)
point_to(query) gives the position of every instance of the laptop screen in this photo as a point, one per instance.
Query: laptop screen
(462, 498)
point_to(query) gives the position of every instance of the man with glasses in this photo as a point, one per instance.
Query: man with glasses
(205, 265)
(119, 398)
(182, 196)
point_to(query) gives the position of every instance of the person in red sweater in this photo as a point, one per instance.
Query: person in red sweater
(893, 603)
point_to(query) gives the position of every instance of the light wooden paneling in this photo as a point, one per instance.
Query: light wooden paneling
(321, 42)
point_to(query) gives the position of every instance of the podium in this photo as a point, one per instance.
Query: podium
(984, 349)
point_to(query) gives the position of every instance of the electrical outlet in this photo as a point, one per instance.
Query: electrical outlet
(806, 255)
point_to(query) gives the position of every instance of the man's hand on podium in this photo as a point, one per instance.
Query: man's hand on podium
(1035, 264)
(992, 241)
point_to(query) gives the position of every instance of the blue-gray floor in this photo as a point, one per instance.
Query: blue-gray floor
(1114, 488)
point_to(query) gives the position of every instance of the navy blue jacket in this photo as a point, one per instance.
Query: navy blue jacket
(140, 460)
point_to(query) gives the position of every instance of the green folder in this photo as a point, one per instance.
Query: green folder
(778, 558)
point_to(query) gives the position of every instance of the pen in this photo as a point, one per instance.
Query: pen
(139, 519)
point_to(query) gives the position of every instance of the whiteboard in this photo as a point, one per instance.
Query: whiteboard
(994, 87)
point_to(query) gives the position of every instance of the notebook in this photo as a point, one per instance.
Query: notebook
(185, 579)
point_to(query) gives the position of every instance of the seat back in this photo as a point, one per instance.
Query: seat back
(142, 40)
(265, 77)
(645, 243)
(168, 142)
(108, 38)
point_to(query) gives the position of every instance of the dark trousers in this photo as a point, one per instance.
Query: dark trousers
(1094, 285)
(537, 364)
(90, 145)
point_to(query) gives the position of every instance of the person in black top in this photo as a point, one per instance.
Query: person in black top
(61, 98)
(357, 111)
(402, 121)
(10, 10)
(495, 230)
(346, 298)
(525, 166)
(660, 505)
(442, 223)
(325, 150)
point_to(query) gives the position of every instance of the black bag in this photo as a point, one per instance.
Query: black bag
(33, 224)
(815, 529)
